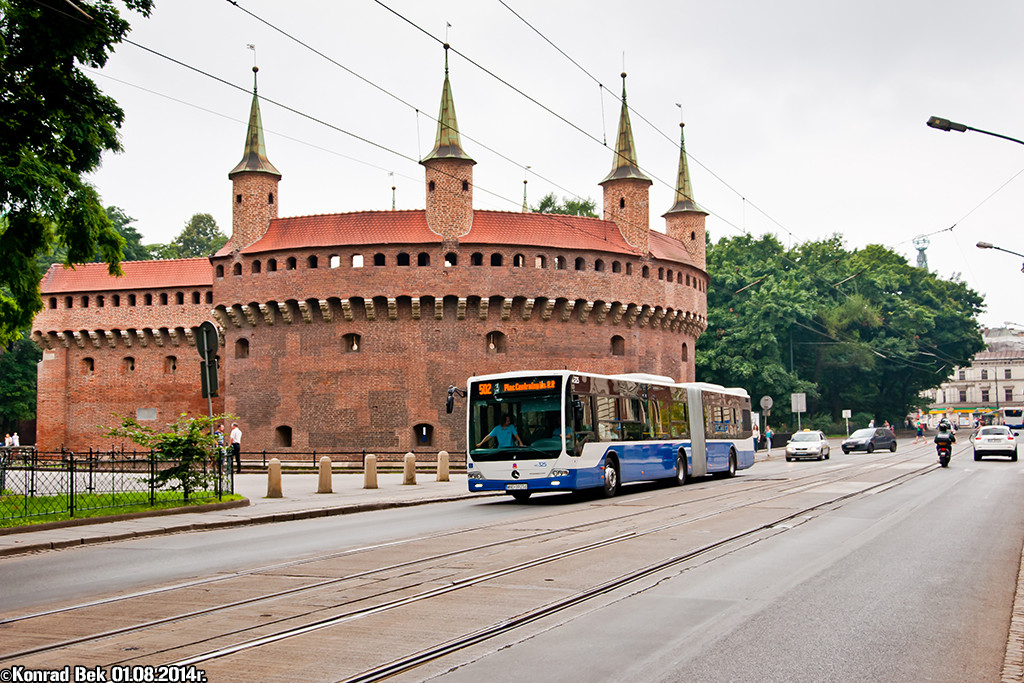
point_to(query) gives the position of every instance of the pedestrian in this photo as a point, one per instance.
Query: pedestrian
(768, 434)
(15, 440)
(757, 436)
(920, 431)
(235, 441)
(7, 440)
(871, 425)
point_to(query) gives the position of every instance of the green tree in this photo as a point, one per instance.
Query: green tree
(54, 126)
(860, 330)
(569, 206)
(18, 382)
(199, 237)
(188, 445)
(133, 248)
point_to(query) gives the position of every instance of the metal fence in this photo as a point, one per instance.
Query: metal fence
(68, 484)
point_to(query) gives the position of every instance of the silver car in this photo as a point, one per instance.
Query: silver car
(807, 444)
(995, 440)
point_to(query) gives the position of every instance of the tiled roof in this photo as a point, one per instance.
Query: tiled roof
(410, 227)
(93, 277)
(667, 248)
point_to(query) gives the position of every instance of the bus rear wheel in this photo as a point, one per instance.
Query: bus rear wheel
(732, 464)
(611, 477)
(680, 477)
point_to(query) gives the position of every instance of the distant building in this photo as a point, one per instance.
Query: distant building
(343, 332)
(994, 381)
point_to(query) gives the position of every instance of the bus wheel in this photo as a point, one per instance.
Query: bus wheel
(611, 476)
(732, 464)
(680, 477)
(521, 496)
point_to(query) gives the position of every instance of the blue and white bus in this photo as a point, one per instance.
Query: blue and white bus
(578, 430)
(1013, 418)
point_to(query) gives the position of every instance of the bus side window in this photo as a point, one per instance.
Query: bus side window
(608, 425)
(680, 419)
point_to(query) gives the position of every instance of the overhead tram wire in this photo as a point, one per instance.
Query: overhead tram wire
(554, 217)
(283, 136)
(556, 114)
(492, 75)
(651, 124)
(964, 217)
(702, 165)
(392, 95)
(581, 130)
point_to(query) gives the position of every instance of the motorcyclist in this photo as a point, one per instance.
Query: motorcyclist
(945, 436)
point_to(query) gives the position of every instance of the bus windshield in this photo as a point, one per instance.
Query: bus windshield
(519, 417)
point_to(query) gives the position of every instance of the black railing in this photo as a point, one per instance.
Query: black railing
(68, 484)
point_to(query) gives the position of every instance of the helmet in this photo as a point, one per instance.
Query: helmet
(943, 426)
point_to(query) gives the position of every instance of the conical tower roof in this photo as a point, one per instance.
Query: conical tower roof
(684, 189)
(447, 144)
(625, 164)
(254, 158)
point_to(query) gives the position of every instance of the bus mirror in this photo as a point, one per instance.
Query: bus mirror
(449, 401)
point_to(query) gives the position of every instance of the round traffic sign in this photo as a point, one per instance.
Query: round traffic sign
(766, 402)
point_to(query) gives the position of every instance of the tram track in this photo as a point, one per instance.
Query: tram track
(757, 483)
(362, 611)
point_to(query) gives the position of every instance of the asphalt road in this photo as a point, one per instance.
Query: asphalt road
(911, 584)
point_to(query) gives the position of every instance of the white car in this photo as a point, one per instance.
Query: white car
(995, 440)
(807, 444)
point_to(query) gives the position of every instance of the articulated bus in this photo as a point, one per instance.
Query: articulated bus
(567, 431)
(1013, 418)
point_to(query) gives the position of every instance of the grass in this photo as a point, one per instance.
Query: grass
(88, 505)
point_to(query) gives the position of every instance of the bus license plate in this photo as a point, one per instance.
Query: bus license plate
(515, 487)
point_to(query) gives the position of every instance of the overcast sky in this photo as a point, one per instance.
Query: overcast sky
(804, 119)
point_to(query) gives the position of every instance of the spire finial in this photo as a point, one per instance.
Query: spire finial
(254, 157)
(625, 164)
(684, 189)
(525, 208)
(447, 144)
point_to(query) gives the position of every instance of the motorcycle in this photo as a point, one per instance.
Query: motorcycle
(945, 452)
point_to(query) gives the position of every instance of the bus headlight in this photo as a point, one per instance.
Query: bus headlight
(475, 475)
(557, 472)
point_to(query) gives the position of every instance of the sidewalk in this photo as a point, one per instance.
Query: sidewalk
(300, 501)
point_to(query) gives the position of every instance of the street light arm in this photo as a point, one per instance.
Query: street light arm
(988, 245)
(947, 125)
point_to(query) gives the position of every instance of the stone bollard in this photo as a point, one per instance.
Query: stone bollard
(410, 469)
(324, 485)
(274, 479)
(370, 469)
(442, 466)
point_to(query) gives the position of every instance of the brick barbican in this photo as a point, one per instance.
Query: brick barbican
(342, 332)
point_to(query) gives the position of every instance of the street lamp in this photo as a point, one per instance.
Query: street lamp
(989, 245)
(947, 125)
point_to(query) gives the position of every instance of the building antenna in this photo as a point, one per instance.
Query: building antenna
(391, 174)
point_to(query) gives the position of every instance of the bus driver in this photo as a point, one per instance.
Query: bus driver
(503, 434)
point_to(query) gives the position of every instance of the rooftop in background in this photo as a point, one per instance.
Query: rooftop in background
(158, 274)
(1002, 339)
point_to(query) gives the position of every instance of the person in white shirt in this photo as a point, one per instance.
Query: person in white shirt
(235, 440)
(15, 440)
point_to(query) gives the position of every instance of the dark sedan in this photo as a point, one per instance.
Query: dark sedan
(870, 440)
